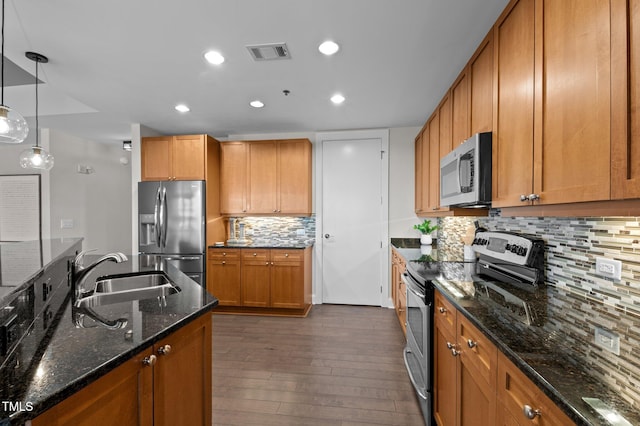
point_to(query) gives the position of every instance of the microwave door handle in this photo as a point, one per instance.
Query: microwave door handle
(459, 161)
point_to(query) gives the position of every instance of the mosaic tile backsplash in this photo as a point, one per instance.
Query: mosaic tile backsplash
(268, 229)
(589, 301)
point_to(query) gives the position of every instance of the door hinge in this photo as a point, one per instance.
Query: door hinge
(380, 289)
(381, 155)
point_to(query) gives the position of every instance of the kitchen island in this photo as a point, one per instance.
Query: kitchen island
(64, 350)
(547, 353)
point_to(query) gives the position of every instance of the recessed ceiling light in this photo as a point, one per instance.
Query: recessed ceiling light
(328, 48)
(182, 108)
(337, 98)
(256, 104)
(214, 57)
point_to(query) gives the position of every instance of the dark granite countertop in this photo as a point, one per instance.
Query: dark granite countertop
(268, 245)
(544, 352)
(68, 358)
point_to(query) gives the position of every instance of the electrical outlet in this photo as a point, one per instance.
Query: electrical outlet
(608, 340)
(609, 268)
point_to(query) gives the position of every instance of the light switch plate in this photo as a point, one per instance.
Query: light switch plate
(608, 340)
(66, 224)
(609, 268)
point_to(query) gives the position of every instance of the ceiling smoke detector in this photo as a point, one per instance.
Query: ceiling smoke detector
(269, 52)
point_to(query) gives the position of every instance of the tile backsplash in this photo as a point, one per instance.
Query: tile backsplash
(589, 301)
(268, 229)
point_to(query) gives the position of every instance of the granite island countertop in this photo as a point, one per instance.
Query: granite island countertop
(47, 367)
(554, 361)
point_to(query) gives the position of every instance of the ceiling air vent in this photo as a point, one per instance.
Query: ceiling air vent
(269, 52)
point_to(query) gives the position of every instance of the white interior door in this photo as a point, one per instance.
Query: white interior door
(352, 214)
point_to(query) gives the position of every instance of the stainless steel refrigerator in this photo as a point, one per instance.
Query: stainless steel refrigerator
(172, 225)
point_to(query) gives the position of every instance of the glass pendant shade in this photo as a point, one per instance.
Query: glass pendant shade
(36, 158)
(13, 127)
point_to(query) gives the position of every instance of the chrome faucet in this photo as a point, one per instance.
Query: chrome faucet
(80, 272)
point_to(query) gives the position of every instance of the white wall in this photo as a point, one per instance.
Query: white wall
(99, 204)
(402, 215)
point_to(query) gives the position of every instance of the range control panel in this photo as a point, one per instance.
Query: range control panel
(511, 248)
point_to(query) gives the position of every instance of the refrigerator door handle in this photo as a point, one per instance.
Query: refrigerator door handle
(156, 216)
(163, 215)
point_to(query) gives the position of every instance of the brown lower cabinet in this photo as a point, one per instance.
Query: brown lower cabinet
(166, 384)
(398, 289)
(464, 370)
(475, 384)
(269, 281)
(520, 402)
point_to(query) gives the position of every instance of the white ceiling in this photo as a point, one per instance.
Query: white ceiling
(117, 62)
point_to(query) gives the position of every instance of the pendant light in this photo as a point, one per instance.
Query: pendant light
(36, 157)
(13, 127)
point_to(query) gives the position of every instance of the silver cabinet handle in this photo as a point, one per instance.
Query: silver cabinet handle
(471, 343)
(524, 198)
(534, 197)
(442, 310)
(530, 413)
(149, 360)
(164, 350)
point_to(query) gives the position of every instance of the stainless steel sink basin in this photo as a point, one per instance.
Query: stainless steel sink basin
(119, 283)
(126, 288)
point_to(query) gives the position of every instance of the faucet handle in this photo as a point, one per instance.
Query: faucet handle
(78, 261)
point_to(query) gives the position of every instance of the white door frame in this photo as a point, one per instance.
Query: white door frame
(383, 136)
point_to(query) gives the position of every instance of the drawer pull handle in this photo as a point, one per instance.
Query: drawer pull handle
(453, 349)
(149, 360)
(442, 310)
(471, 343)
(530, 413)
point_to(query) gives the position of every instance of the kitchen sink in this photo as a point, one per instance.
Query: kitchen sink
(118, 283)
(126, 288)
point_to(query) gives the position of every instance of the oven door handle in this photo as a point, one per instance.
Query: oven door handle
(406, 280)
(421, 393)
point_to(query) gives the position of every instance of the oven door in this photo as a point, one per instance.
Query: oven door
(417, 351)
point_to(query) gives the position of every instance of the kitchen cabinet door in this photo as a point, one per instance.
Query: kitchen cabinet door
(572, 147)
(123, 396)
(262, 177)
(460, 109)
(256, 278)
(287, 275)
(444, 376)
(434, 163)
(422, 168)
(625, 150)
(182, 376)
(188, 157)
(514, 38)
(516, 393)
(156, 157)
(481, 91)
(233, 177)
(223, 276)
(294, 176)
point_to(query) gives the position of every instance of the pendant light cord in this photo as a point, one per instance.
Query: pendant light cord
(37, 127)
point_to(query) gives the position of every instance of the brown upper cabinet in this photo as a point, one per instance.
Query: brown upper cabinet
(174, 157)
(625, 117)
(266, 177)
(552, 116)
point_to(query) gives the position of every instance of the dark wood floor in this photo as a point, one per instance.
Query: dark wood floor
(342, 365)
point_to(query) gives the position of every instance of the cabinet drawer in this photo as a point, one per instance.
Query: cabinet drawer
(223, 254)
(286, 255)
(249, 255)
(476, 351)
(445, 314)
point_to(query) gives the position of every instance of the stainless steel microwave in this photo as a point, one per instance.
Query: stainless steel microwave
(465, 173)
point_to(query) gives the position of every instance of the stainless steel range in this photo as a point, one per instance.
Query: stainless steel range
(508, 277)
